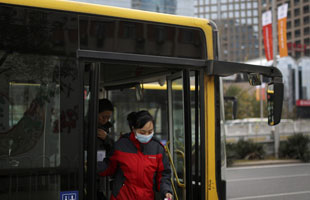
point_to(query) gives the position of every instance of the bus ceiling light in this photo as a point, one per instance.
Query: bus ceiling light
(139, 92)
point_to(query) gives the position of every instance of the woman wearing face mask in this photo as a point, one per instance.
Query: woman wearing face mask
(139, 163)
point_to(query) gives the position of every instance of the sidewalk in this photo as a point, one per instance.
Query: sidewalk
(244, 163)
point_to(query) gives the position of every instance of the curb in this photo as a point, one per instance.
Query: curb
(264, 162)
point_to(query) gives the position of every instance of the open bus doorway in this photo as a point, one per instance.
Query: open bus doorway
(159, 90)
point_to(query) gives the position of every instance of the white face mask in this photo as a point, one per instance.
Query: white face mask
(144, 138)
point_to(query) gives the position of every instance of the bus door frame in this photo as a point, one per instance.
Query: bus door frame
(92, 131)
(91, 165)
(184, 76)
(188, 133)
(186, 102)
(185, 65)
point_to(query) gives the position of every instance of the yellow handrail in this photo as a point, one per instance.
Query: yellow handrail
(182, 185)
(174, 191)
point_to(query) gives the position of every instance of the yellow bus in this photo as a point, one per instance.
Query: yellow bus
(58, 57)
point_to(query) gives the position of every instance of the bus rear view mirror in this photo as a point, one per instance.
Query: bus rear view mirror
(274, 102)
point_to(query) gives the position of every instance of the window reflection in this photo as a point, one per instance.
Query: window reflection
(29, 108)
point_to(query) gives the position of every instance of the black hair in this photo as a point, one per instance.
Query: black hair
(104, 105)
(137, 120)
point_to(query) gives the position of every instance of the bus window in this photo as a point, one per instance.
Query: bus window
(39, 104)
(35, 127)
(32, 118)
(127, 36)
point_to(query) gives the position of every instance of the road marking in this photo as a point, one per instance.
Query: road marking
(266, 178)
(270, 195)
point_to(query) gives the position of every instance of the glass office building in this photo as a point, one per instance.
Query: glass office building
(176, 7)
(162, 6)
(238, 24)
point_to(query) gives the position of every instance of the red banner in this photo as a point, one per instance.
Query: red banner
(267, 34)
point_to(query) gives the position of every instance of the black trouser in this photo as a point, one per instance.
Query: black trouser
(101, 196)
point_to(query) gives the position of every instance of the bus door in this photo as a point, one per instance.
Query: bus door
(130, 87)
(183, 133)
(133, 87)
(176, 133)
(91, 154)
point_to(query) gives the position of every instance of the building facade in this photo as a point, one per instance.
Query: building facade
(298, 25)
(238, 24)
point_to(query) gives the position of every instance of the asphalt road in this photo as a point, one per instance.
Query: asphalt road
(269, 182)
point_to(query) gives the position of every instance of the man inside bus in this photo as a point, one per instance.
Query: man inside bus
(105, 142)
(104, 125)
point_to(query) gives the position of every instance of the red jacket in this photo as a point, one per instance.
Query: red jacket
(138, 169)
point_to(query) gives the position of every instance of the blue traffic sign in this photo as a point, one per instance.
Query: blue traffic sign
(69, 195)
